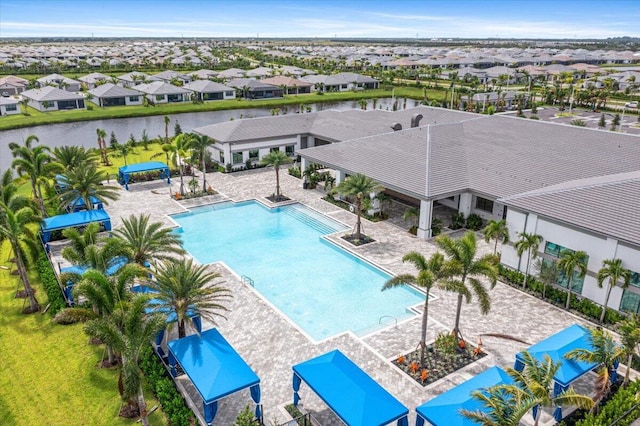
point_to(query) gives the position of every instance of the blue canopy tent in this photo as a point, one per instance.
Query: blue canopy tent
(71, 220)
(557, 346)
(113, 267)
(350, 393)
(444, 409)
(171, 316)
(60, 182)
(79, 204)
(124, 173)
(214, 368)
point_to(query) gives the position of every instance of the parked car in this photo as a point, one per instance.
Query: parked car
(633, 104)
(5, 94)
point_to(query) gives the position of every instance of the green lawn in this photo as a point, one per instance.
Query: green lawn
(139, 155)
(48, 373)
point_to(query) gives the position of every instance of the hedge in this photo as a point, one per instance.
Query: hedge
(50, 284)
(622, 409)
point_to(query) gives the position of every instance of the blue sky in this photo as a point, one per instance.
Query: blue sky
(321, 18)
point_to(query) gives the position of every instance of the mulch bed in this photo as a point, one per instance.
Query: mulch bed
(358, 242)
(438, 365)
(278, 199)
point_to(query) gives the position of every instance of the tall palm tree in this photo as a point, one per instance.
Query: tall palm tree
(188, 289)
(528, 242)
(102, 146)
(501, 406)
(71, 157)
(276, 159)
(430, 274)
(612, 270)
(537, 378)
(180, 152)
(16, 220)
(358, 186)
(630, 337)
(146, 241)
(167, 120)
(467, 271)
(606, 352)
(200, 144)
(79, 241)
(35, 162)
(496, 230)
(128, 330)
(571, 262)
(84, 182)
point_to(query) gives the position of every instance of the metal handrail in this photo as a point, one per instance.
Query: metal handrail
(388, 316)
(247, 280)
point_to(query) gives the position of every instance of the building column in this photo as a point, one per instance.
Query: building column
(424, 223)
(464, 204)
(340, 176)
(304, 163)
(226, 149)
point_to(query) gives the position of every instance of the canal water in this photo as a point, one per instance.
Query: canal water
(83, 133)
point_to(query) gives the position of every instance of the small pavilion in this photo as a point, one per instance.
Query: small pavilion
(125, 172)
(71, 220)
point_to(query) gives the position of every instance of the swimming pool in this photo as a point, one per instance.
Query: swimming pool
(320, 287)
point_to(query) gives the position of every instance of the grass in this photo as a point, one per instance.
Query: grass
(36, 118)
(49, 371)
(139, 155)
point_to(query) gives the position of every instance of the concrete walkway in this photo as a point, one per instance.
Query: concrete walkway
(271, 344)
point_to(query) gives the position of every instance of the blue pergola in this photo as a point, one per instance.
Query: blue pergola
(71, 220)
(444, 410)
(214, 368)
(350, 393)
(124, 173)
(113, 267)
(556, 347)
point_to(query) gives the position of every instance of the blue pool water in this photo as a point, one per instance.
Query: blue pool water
(322, 288)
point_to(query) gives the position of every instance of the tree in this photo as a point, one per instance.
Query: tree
(17, 218)
(413, 214)
(113, 141)
(501, 406)
(180, 152)
(167, 120)
(536, 380)
(570, 261)
(122, 150)
(146, 241)
(177, 130)
(529, 243)
(430, 273)
(612, 270)
(35, 162)
(466, 272)
(605, 352)
(187, 289)
(276, 159)
(548, 273)
(144, 140)
(85, 183)
(128, 330)
(496, 230)
(200, 145)
(615, 123)
(102, 145)
(630, 336)
(357, 186)
(72, 156)
(79, 241)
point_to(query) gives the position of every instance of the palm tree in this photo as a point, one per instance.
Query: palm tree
(496, 230)
(570, 261)
(606, 352)
(72, 156)
(180, 152)
(501, 406)
(413, 214)
(530, 243)
(357, 186)
(430, 273)
(102, 145)
(85, 183)
(276, 159)
(124, 149)
(128, 330)
(35, 162)
(467, 270)
(167, 120)
(16, 220)
(200, 144)
(188, 289)
(548, 273)
(630, 337)
(537, 378)
(79, 241)
(146, 241)
(613, 271)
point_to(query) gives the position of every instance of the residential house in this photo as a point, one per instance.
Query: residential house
(159, 92)
(94, 79)
(203, 75)
(262, 72)
(501, 101)
(110, 94)
(60, 81)
(207, 90)
(51, 98)
(293, 86)
(341, 82)
(133, 78)
(254, 89)
(169, 76)
(9, 106)
(12, 85)
(232, 73)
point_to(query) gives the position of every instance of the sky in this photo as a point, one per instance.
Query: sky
(321, 18)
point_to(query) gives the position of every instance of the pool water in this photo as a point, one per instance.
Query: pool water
(323, 289)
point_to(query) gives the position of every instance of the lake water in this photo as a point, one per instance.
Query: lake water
(84, 133)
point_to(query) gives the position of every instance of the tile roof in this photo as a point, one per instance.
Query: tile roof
(159, 88)
(50, 93)
(110, 90)
(207, 86)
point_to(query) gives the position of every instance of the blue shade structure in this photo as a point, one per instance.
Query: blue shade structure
(125, 172)
(71, 220)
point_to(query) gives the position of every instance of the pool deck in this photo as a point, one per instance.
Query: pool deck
(271, 344)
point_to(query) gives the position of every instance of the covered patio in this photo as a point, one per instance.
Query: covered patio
(215, 369)
(443, 410)
(125, 172)
(350, 393)
(71, 220)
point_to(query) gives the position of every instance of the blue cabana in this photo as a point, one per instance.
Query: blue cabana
(78, 204)
(557, 346)
(171, 316)
(350, 393)
(60, 183)
(71, 220)
(113, 267)
(214, 368)
(124, 173)
(444, 409)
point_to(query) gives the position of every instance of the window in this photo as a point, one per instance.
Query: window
(484, 204)
(11, 107)
(228, 94)
(553, 249)
(635, 279)
(274, 149)
(289, 150)
(134, 98)
(159, 97)
(577, 282)
(344, 86)
(630, 302)
(254, 154)
(221, 157)
(237, 157)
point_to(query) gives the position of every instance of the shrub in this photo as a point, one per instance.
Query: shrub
(578, 122)
(474, 222)
(622, 409)
(245, 418)
(73, 315)
(436, 226)
(50, 284)
(229, 167)
(457, 220)
(295, 172)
